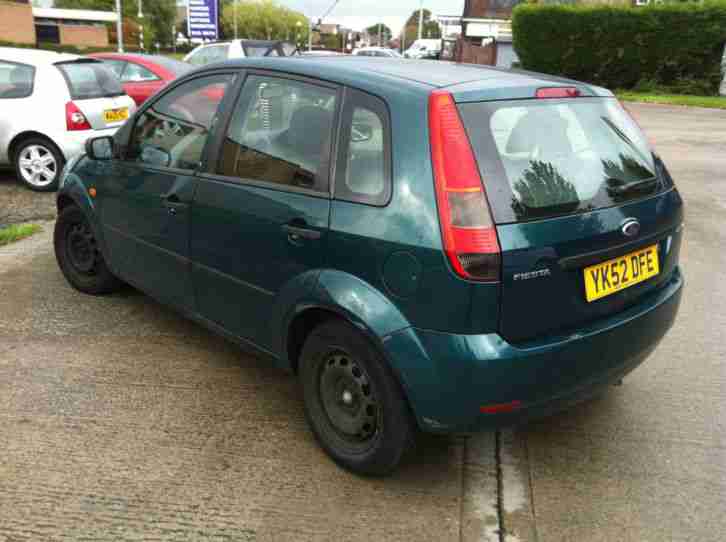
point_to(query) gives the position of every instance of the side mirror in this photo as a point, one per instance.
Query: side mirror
(361, 132)
(100, 148)
(154, 156)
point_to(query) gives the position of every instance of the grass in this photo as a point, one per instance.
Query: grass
(175, 56)
(713, 102)
(10, 234)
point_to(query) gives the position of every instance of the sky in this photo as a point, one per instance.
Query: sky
(359, 14)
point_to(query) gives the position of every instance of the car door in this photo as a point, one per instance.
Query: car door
(260, 213)
(145, 201)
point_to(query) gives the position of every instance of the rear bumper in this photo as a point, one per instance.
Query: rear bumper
(73, 143)
(448, 377)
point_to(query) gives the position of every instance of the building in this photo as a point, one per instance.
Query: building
(24, 24)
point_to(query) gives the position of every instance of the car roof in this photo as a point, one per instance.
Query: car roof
(34, 57)
(176, 66)
(468, 82)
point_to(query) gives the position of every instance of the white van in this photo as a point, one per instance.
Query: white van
(429, 48)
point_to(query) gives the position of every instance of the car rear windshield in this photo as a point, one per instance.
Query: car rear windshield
(543, 158)
(90, 79)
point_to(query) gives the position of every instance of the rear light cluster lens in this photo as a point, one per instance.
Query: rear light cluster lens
(75, 119)
(467, 229)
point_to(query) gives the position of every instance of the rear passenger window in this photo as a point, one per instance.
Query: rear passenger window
(174, 130)
(16, 80)
(281, 133)
(364, 163)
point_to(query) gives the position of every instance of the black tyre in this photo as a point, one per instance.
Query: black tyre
(78, 255)
(38, 164)
(354, 404)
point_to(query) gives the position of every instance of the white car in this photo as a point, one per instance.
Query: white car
(425, 48)
(209, 53)
(50, 104)
(381, 52)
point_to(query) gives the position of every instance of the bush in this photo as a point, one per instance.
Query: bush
(673, 47)
(65, 48)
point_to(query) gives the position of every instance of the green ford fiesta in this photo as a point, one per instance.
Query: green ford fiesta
(428, 246)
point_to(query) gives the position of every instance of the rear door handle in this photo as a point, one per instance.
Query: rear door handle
(173, 203)
(295, 232)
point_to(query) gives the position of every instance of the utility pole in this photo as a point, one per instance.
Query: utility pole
(380, 29)
(420, 20)
(119, 28)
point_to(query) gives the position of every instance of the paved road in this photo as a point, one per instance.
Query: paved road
(119, 420)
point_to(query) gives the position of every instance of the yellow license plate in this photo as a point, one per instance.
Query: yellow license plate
(614, 275)
(116, 115)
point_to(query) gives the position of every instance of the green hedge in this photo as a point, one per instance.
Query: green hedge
(676, 47)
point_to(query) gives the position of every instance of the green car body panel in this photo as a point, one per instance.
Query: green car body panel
(453, 344)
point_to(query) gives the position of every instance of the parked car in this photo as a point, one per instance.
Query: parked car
(321, 52)
(50, 104)
(433, 247)
(209, 53)
(381, 52)
(143, 75)
(424, 48)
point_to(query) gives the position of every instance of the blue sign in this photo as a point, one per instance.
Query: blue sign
(202, 20)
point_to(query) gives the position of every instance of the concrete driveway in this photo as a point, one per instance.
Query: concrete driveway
(119, 420)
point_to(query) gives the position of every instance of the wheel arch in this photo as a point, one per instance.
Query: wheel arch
(29, 134)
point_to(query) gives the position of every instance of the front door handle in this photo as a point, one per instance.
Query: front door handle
(296, 232)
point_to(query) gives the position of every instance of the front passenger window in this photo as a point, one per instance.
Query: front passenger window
(174, 130)
(281, 133)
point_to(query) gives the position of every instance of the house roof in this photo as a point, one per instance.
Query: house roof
(76, 14)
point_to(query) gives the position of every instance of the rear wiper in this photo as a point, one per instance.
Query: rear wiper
(618, 186)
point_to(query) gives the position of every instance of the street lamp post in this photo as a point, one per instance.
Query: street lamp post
(141, 27)
(420, 20)
(119, 28)
(234, 3)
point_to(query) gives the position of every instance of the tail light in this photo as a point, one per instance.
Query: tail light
(75, 120)
(467, 229)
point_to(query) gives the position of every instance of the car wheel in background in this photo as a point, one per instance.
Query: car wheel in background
(78, 254)
(38, 164)
(353, 402)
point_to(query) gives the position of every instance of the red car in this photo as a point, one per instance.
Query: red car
(143, 75)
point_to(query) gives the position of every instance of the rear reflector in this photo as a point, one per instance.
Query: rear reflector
(467, 229)
(558, 92)
(504, 407)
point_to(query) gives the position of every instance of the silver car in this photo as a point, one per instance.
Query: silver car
(50, 104)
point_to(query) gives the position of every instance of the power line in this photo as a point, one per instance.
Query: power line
(331, 8)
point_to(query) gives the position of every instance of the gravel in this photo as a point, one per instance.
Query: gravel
(20, 204)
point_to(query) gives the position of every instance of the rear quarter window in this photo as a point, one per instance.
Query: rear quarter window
(364, 156)
(89, 80)
(16, 80)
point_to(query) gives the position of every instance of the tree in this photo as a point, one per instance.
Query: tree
(385, 33)
(431, 28)
(159, 15)
(264, 19)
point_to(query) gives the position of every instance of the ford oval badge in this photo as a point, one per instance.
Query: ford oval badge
(631, 227)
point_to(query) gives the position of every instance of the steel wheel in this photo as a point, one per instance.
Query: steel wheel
(38, 166)
(82, 250)
(349, 400)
